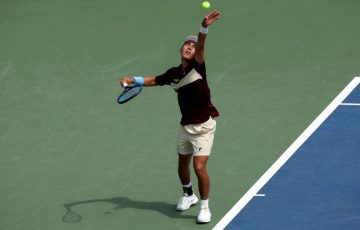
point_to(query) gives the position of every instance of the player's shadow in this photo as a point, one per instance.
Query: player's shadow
(124, 203)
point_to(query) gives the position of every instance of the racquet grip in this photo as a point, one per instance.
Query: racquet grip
(125, 84)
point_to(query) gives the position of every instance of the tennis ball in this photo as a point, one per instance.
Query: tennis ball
(205, 5)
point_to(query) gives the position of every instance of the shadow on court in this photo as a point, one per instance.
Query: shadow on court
(124, 203)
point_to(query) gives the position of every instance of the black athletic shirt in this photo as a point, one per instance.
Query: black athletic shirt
(193, 92)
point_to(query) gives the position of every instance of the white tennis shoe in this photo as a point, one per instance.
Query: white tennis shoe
(204, 215)
(185, 202)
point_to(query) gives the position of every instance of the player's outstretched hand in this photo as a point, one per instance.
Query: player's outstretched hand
(211, 18)
(126, 81)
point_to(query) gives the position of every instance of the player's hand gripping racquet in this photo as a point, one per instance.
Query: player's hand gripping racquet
(128, 93)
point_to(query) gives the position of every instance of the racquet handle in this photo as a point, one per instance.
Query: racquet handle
(125, 84)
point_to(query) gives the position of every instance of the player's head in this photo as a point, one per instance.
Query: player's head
(187, 50)
(191, 38)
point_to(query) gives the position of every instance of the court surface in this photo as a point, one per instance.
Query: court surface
(318, 187)
(72, 158)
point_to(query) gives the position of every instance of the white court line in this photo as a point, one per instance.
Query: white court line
(286, 155)
(351, 104)
(260, 195)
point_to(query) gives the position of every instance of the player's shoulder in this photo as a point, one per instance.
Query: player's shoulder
(196, 63)
(174, 69)
(198, 66)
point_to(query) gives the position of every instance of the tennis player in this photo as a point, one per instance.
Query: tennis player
(197, 125)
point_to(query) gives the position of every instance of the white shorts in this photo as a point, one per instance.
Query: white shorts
(196, 139)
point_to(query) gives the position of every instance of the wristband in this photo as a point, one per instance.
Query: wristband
(204, 30)
(139, 80)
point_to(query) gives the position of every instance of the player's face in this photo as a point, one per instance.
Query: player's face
(188, 50)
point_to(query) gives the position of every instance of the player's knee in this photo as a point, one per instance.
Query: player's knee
(183, 166)
(200, 169)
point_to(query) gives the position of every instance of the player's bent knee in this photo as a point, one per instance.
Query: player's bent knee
(200, 169)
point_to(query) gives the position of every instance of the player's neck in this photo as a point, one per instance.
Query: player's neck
(184, 63)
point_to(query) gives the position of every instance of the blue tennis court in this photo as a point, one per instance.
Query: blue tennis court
(315, 184)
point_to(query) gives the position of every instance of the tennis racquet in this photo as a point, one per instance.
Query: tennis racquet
(128, 93)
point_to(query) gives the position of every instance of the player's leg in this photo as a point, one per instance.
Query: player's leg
(202, 145)
(183, 168)
(202, 175)
(184, 158)
(204, 188)
(189, 198)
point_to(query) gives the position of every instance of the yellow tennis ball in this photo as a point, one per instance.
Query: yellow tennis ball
(205, 5)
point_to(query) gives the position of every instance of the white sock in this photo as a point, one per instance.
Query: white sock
(204, 203)
(187, 185)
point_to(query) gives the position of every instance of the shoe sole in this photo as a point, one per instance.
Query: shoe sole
(203, 222)
(198, 222)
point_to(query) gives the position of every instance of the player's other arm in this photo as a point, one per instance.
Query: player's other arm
(200, 46)
(144, 81)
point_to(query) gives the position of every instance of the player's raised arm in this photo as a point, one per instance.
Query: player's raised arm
(200, 46)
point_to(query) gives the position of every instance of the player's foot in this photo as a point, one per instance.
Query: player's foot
(204, 215)
(185, 202)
